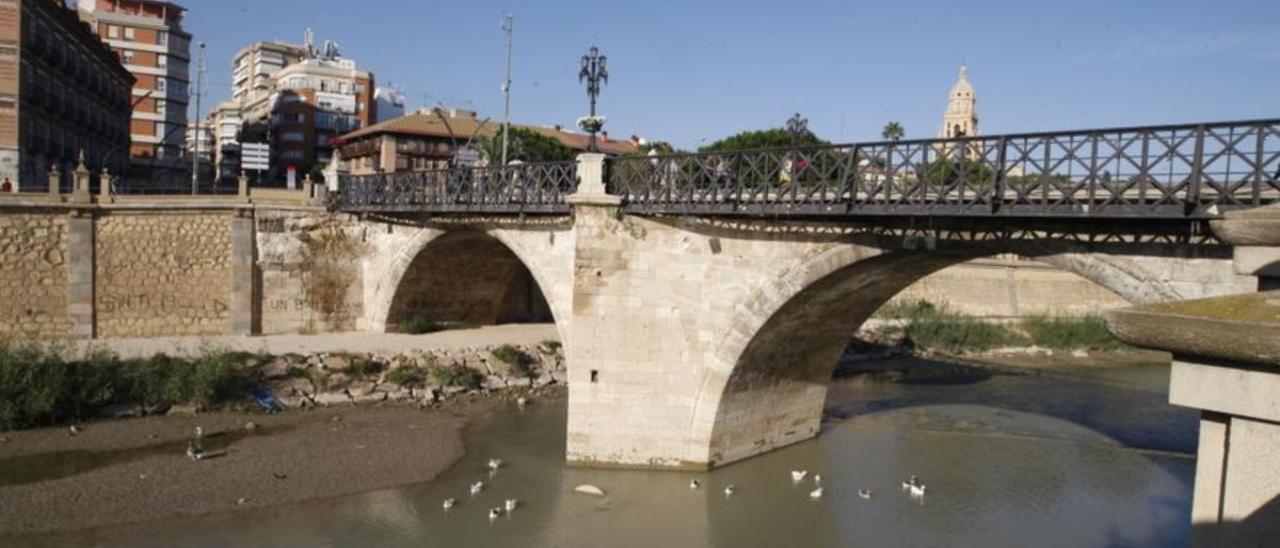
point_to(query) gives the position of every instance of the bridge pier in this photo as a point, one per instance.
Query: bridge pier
(1227, 365)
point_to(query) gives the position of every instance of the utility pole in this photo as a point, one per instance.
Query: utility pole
(195, 156)
(507, 26)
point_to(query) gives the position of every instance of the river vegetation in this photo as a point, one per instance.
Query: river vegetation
(935, 327)
(40, 385)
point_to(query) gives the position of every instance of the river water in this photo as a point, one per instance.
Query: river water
(1087, 458)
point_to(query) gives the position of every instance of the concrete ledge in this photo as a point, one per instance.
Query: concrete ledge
(1240, 328)
(1257, 226)
(1236, 391)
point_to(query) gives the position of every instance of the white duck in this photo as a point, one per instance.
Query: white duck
(694, 484)
(816, 493)
(494, 513)
(917, 490)
(477, 487)
(798, 475)
(495, 464)
(864, 493)
(511, 504)
(728, 491)
(448, 503)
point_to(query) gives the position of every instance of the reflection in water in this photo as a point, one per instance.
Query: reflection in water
(1009, 461)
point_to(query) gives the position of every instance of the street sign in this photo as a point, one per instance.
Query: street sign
(468, 157)
(255, 156)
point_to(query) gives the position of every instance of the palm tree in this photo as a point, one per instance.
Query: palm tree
(892, 131)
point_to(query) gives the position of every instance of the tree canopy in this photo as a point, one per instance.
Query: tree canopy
(893, 131)
(768, 138)
(525, 145)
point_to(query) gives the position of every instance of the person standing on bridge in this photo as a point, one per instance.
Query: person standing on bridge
(784, 174)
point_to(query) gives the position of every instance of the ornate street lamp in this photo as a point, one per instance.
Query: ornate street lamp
(595, 74)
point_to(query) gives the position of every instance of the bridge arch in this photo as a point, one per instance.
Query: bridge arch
(767, 379)
(471, 275)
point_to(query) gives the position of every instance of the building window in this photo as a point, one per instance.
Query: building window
(128, 33)
(162, 38)
(126, 57)
(162, 61)
(161, 105)
(292, 136)
(8, 102)
(113, 31)
(8, 52)
(161, 84)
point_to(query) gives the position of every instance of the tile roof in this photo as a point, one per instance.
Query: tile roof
(427, 124)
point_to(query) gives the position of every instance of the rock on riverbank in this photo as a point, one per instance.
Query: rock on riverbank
(424, 377)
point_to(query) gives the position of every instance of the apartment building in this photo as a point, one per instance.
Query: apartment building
(254, 66)
(63, 94)
(311, 103)
(151, 43)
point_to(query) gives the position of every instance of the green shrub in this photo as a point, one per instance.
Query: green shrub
(363, 367)
(38, 386)
(407, 376)
(903, 310)
(549, 346)
(295, 372)
(937, 328)
(457, 376)
(514, 357)
(1086, 332)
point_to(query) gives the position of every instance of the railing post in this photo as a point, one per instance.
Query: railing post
(851, 180)
(1197, 174)
(997, 186)
(80, 193)
(243, 185)
(104, 186)
(1093, 173)
(55, 181)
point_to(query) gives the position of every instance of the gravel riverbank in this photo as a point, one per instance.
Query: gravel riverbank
(128, 471)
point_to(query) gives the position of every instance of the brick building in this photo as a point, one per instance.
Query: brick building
(150, 40)
(62, 93)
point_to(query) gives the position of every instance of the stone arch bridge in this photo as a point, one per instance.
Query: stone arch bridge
(702, 299)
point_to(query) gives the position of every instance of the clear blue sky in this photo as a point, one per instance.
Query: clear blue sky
(688, 71)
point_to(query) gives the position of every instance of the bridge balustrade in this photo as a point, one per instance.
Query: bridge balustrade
(1190, 171)
(519, 188)
(1185, 171)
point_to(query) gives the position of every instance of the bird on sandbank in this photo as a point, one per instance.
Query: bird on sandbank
(448, 503)
(477, 487)
(816, 493)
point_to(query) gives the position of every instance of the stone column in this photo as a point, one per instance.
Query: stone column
(242, 278)
(1227, 365)
(80, 274)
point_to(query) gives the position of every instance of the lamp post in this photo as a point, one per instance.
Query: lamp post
(595, 73)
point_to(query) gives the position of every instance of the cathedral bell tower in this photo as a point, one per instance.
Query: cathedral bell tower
(961, 119)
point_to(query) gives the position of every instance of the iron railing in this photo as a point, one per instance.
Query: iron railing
(521, 188)
(1183, 171)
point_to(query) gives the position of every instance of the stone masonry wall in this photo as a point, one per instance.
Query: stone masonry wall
(309, 269)
(33, 275)
(162, 274)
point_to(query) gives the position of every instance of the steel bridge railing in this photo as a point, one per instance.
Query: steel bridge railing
(519, 188)
(1182, 171)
